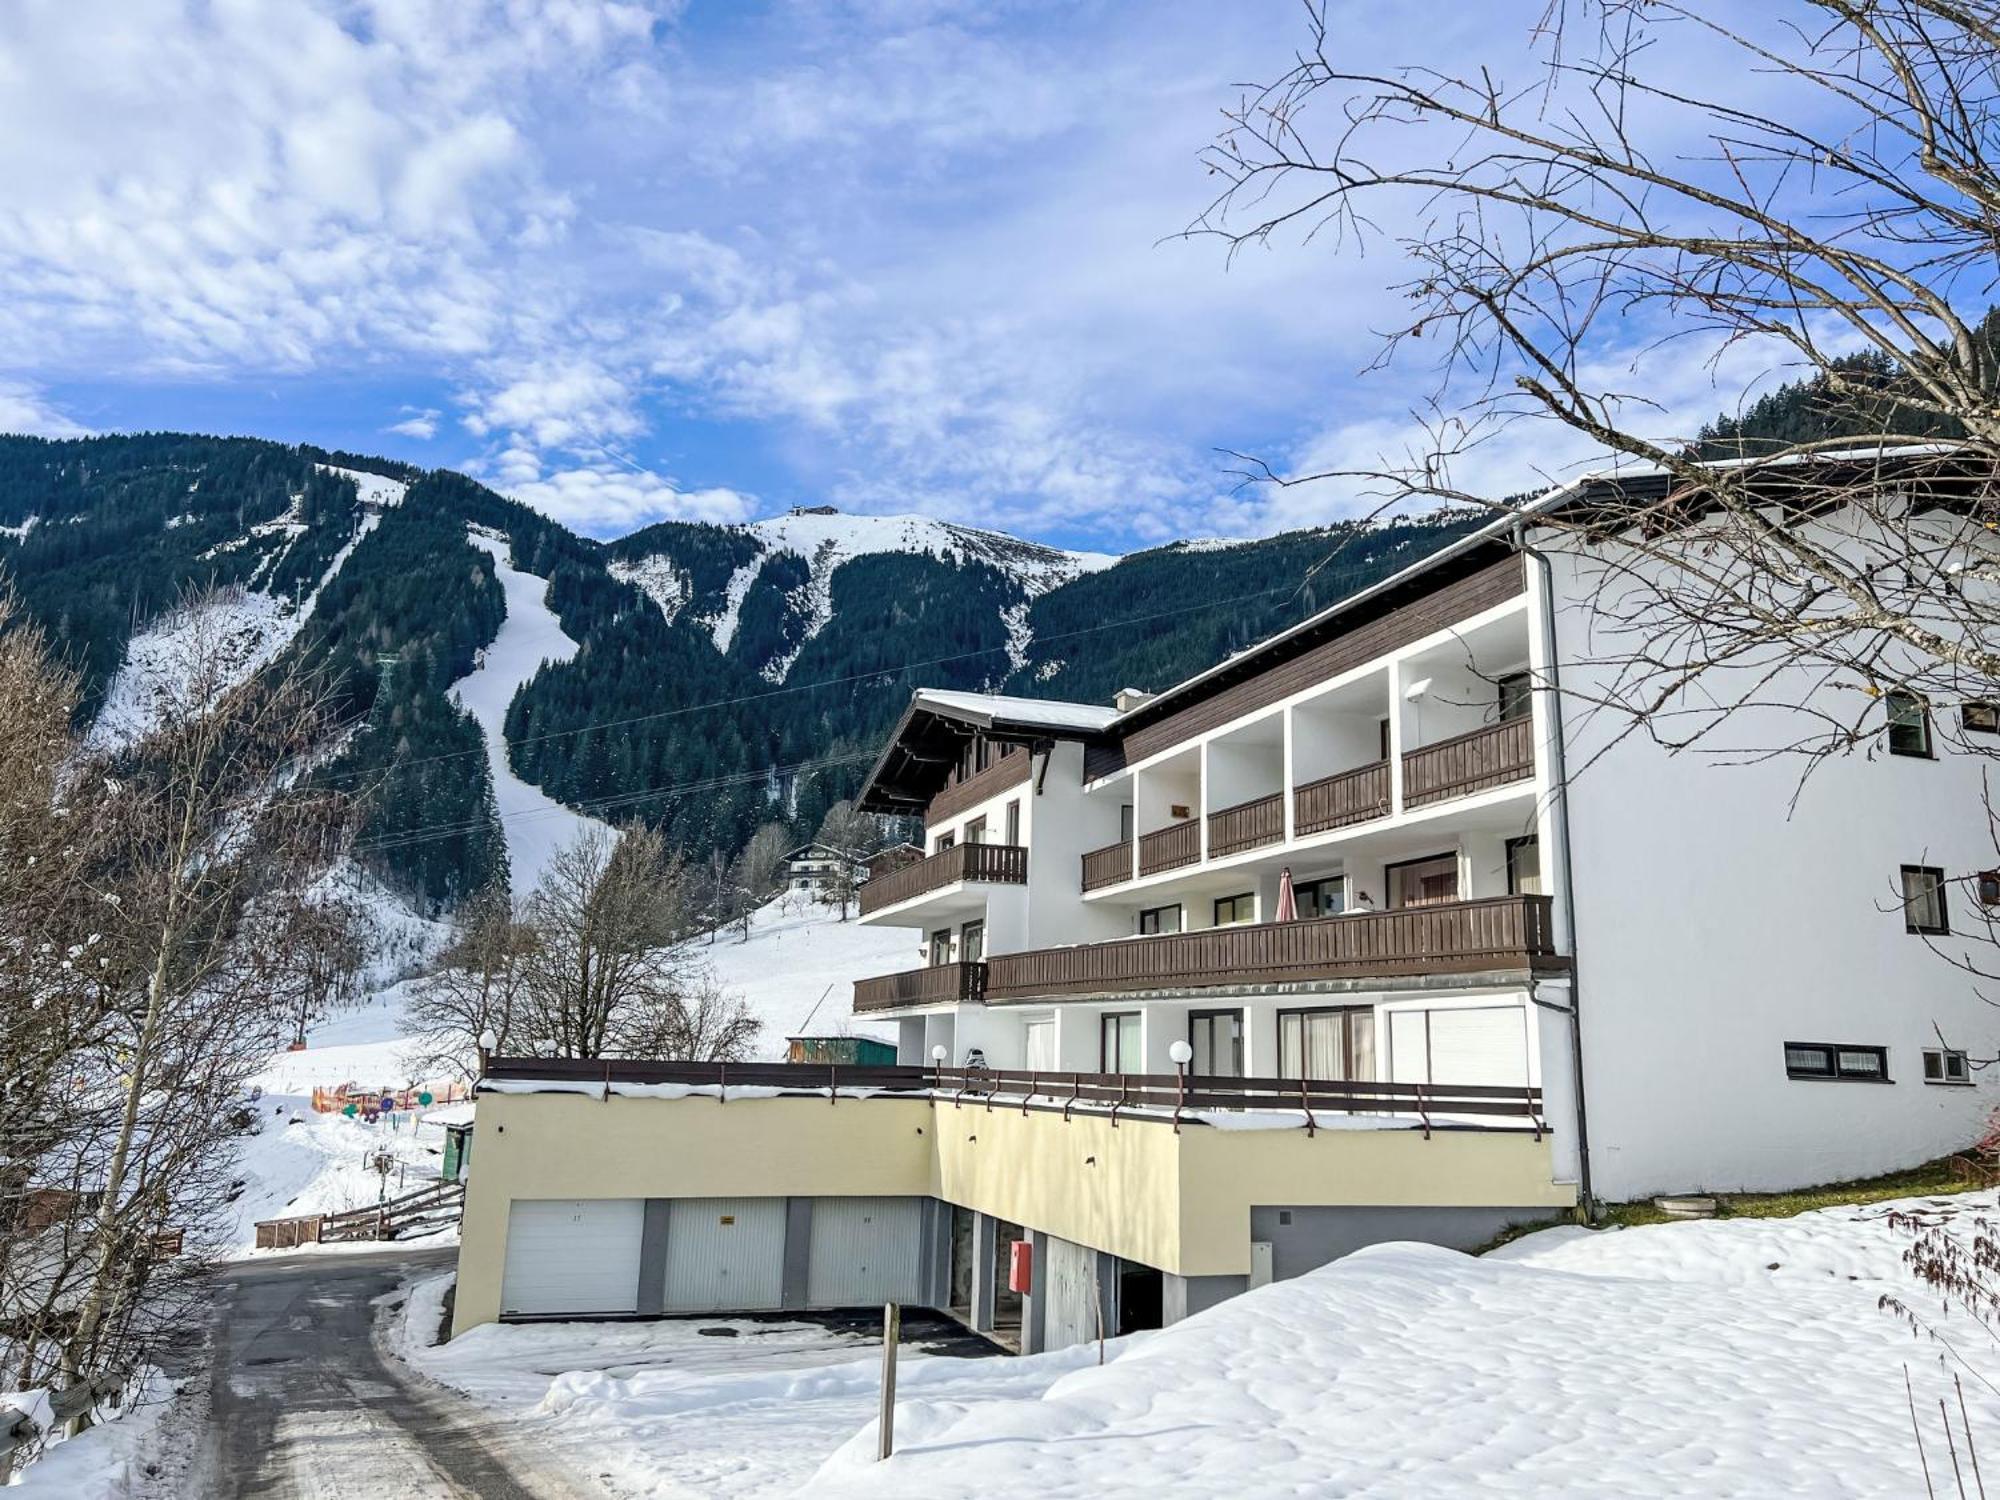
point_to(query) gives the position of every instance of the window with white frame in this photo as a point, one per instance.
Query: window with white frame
(1946, 1065)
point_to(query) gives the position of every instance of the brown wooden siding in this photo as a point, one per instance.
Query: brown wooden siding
(1476, 762)
(1169, 848)
(999, 864)
(1247, 825)
(1462, 937)
(932, 985)
(1491, 585)
(1107, 866)
(1355, 796)
(1011, 769)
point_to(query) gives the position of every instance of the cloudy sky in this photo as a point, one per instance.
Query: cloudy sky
(638, 259)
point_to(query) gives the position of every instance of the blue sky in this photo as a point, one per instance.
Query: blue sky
(639, 259)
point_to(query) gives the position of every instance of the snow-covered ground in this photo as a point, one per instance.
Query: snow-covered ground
(536, 824)
(798, 969)
(109, 1459)
(1741, 1358)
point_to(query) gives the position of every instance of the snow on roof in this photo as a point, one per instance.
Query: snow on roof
(1049, 712)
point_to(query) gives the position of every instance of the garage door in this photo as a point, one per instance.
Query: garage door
(572, 1256)
(1070, 1280)
(725, 1254)
(866, 1251)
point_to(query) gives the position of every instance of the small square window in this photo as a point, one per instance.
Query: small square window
(1909, 725)
(1838, 1061)
(1980, 717)
(1517, 697)
(1988, 887)
(1923, 900)
(1946, 1065)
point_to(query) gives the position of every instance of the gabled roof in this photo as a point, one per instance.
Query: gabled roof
(927, 741)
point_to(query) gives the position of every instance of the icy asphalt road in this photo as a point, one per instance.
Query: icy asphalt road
(302, 1403)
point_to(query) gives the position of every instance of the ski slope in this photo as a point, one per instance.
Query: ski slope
(797, 970)
(536, 824)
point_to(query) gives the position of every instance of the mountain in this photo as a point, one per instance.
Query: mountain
(706, 679)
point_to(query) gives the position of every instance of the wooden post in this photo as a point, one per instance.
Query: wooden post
(892, 1334)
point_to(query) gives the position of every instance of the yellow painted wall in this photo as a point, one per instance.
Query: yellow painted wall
(1178, 1202)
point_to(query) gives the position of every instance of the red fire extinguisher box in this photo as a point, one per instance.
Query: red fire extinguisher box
(1021, 1267)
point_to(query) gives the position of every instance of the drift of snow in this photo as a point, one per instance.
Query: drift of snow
(797, 970)
(20, 533)
(535, 823)
(110, 1458)
(375, 490)
(658, 579)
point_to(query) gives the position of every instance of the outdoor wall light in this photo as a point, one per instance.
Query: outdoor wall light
(1181, 1053)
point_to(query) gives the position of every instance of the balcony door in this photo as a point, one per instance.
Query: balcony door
(1423, 882)
(1217, 1039)
(972, 942)
(975, 831)
(1332, 1044)
(941, 946)
(1118, 1043)
(1041, 1045)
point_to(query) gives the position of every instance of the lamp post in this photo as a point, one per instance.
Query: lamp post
(938, 1055)
(488, 1043)
(1182, 1054)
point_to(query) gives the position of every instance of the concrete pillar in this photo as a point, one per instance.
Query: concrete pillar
(1034, 1306)
(1184, 1296)
(798, 1252)
(985, 1248)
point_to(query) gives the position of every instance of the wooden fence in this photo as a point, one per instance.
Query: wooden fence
(382, 1221)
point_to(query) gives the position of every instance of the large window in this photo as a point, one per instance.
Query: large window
(1923, 900)
(1837, 1060)
(1014, 821)
(1217, 1039)
(1230, 910)
(975, 831)
(1118, 1043)
(1321, 898)
(1160, 919)
(1524, 866)
(972, 942)
(1423, 882)
(1909, 725)
(1327, 1044)
(1517, 697)
(941, 946)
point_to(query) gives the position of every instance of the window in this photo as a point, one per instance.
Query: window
(1232, 909)
(1321, 898)
(975, 831)
(1988, 887)
(1125, 824)
(1524, 866)
(972, 942)
(1909, 725)
(941, 946)
(1118, 1043)
(1980, 717)
(1837, 1060)
(1327, 1044)
(1423, 882)
(946, 841)
(1517, 697)
(1945, 1065)
(1014, 821)
(1217, 1039)
(1159, 919)
(1381, 739)
(1923, 900)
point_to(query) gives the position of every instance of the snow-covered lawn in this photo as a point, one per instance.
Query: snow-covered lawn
(1728, 1358)
(798, 969)
(536, 824)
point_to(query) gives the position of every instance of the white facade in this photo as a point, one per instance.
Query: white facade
(1719, 911)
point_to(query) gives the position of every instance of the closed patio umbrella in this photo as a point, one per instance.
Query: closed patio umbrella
(1288, 901)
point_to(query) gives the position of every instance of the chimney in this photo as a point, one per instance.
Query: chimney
(1127, 699)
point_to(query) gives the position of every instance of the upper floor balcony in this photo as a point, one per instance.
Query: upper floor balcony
(1511, 934)
(944, 874)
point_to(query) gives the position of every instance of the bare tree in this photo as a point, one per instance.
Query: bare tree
(475, 986)
(853, 836)
(316, 971)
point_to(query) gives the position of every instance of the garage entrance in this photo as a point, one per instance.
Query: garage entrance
(725, 1255)
(570, 1256)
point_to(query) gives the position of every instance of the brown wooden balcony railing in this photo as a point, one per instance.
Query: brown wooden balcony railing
(1247, 825)
(1169, 848)
(1009, 770)
(1476, 762)
(1460, 937)
(934, 984)
(999, 864)
(1107, 866)
(1355, 796)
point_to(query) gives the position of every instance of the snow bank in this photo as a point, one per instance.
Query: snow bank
(536, 824)
(108, 1459)
(1735, 1358)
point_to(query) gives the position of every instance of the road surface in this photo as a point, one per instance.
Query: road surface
(302, 1404)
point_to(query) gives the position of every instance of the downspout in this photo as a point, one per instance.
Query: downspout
(1559, 778)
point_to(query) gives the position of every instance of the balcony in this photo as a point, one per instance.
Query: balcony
(1107, 866)
(934, 984)
(1357, 796)
(992, 864)
(1170, 848)
(1247, 825)
(1461, 937)
(1491, 756)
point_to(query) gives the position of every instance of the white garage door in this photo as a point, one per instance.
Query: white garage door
(1070, 1283)
(866, 1251)
(725, 1254)
(572, 1256)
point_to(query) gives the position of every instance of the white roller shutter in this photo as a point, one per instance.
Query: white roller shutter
(1069, 1281)
(725, 1254)
(572, 1256)
(1479, 1046)
(1409, 1046)
(1041, 1038)
(866, 1251)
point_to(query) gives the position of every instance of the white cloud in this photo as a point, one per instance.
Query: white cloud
(421, 424)
(23, 410)
(606, 500)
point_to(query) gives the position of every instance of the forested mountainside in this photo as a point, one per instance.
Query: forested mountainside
(727, 676)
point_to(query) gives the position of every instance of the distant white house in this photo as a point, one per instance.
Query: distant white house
(814, 869)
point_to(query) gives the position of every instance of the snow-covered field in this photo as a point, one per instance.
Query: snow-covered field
(536, 824)
(799, 967)
(1741, 1358)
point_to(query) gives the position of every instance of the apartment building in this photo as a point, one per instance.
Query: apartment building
(1377, 930)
